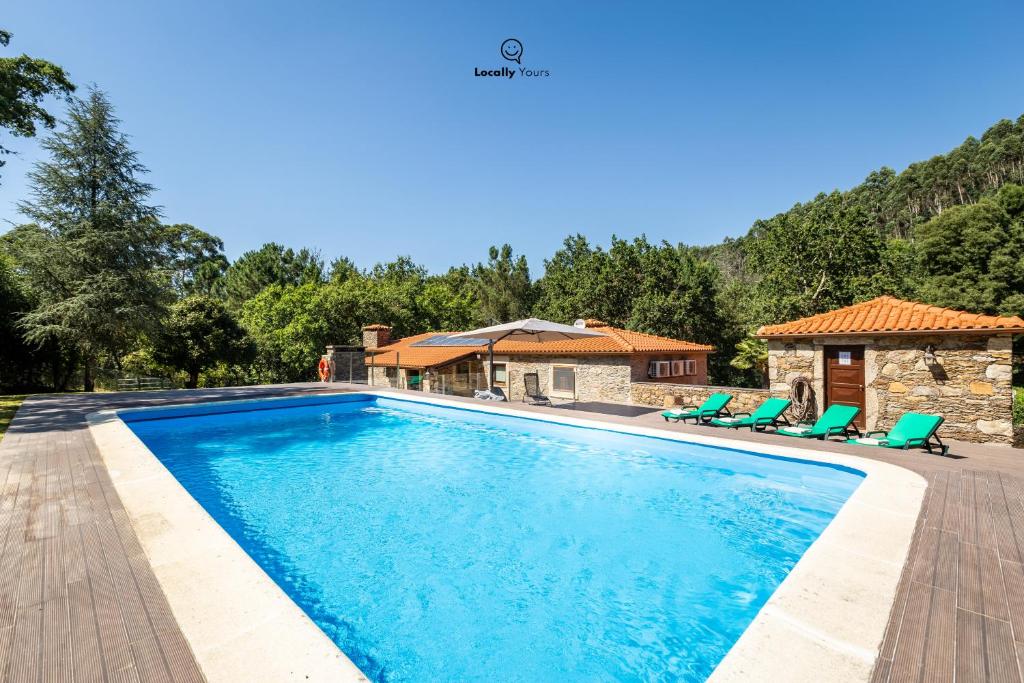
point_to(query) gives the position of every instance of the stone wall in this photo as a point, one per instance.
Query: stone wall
(598, 378)
(664, 394)
(969, 384)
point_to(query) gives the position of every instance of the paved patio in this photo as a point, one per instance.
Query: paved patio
(79, 602)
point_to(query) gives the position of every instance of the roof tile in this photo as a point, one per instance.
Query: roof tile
(615, 342)
(888, 314)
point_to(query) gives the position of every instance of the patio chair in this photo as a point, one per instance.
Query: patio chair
(768, 414)
(912, 430)
(714, 406)
(531, 384)
(837, 420)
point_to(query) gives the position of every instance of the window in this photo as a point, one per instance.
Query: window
(500, 374)
(691, 367)
(678, 368)
(563, 380)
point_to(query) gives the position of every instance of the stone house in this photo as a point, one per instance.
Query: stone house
(590, 369)
(890, 356)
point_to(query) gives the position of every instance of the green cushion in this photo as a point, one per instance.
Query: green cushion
(769, 410)
(835, 417)
(916, 426)
(773, 408)
(913, 426)
(714, 404)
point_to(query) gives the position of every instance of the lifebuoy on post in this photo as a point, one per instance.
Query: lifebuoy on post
(324, 369)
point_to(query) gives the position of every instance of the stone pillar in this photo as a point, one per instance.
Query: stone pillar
(376, 336)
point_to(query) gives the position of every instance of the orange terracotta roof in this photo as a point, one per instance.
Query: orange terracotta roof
(615, 342)
(890, 315)
(410, 356)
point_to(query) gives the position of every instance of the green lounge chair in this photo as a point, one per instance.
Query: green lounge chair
(715, 406)
(768, 414)
(913, 430)
(837, 420)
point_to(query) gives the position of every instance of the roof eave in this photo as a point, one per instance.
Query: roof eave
(887, 333)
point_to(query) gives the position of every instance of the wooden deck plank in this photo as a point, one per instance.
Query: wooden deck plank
(937, 562)
(85, 642)
(980, 585)
(1000, 653)
(970, 638)
(112, 634)
(1013, 579)
(1003, 521)
(56, 660)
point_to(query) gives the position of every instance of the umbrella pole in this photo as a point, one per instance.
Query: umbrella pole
(490, 365)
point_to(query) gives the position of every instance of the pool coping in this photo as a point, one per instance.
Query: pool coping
(827, 618)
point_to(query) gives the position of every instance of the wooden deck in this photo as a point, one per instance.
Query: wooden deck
(79, 601)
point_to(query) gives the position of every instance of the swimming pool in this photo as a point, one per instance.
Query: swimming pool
(443, 544)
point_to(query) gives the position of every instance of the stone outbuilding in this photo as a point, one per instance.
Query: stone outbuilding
(890, 356)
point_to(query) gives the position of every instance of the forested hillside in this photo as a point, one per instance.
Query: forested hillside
(95, 285)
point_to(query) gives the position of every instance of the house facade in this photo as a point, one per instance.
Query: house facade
(889, 356)
(589, 369)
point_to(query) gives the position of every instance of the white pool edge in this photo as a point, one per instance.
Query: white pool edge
(240, 624)
(825, 621)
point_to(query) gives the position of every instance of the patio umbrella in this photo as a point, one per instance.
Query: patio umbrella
(530, 329)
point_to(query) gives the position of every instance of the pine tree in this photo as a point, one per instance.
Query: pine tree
(93, 251)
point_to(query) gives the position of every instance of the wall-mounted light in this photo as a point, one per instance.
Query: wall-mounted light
(929, 355)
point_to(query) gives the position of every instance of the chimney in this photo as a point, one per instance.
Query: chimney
(594, 322)
(376, 336)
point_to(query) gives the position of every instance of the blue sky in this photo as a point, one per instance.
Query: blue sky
(360, 129)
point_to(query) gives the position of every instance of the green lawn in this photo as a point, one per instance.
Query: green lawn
(8, 406)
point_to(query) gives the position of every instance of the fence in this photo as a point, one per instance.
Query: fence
(114, 380)
(457, 384)
(349, 365)
(144, 383)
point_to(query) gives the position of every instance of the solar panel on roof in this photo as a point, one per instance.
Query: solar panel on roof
(448, 340)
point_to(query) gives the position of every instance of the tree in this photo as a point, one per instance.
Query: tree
(342, 268)
(94, 251)
(16, 356)
(811, 258)
(448, 302)
(391, 293)
(573, 285)
(24, 82)
(972, 256)
(676, 295)
(196, 260)
(752, 354)
(197, 334)
(271, 264)
(291, 326)
(504, 291)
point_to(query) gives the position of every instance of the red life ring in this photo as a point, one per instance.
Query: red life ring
(324, 369)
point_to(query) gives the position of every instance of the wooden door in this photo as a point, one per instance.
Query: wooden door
(844, 378)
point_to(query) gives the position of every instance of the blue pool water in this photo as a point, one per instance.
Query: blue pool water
(436, 544)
